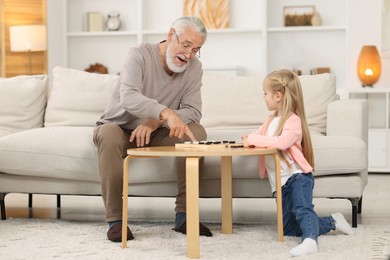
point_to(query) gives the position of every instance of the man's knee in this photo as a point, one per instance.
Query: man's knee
(107, 133)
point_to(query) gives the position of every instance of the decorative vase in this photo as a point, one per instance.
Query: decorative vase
(316, 19)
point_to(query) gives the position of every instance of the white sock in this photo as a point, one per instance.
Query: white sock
(341, 224)
(308, 246)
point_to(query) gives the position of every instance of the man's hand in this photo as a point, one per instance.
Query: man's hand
(177, 127)
(142, 132)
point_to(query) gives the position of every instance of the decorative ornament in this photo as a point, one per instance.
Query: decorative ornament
(316, 19)
(113, 22)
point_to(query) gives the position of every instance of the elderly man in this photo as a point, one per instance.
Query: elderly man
(158, 103)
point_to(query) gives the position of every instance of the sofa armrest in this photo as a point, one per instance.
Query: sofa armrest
(348, 117)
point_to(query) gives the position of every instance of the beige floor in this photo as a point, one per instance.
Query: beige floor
(375, 207)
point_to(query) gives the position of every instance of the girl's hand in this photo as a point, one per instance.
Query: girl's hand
(245, 140)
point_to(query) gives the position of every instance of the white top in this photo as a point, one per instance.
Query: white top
(285, 171)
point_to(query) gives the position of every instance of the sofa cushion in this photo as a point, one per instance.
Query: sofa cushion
(237, 102)
(78, 98)
(232, 101)
(69, 153)
(22, 103)
(339, 154)
(318, 91)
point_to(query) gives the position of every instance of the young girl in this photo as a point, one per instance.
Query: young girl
(287, 130)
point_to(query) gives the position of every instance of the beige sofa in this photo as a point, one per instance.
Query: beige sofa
(46, 142)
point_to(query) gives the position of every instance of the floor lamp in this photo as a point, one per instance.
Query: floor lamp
(28, 38)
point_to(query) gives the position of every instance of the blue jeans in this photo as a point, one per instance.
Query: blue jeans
(299, 217)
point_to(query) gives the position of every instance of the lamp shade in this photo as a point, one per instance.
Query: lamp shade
(369, 65)
(27, 38)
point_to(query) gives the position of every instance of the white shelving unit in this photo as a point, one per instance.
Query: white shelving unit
(256, 43)
(379, 126)
(308, 47)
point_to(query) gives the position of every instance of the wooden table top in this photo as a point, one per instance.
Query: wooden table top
(209, 150)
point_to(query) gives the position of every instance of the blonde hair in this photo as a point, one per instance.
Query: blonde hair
(287, 83)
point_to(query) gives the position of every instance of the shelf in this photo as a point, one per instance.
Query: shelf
(233, 31)
(368, 90)
(379, 105)
(211, 31)
(381, 170)
(106, 33)
(379, 126)
(306, 29)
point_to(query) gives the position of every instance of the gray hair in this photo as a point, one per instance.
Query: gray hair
(186, 21)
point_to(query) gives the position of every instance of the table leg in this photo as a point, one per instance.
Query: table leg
(279, 197)
(125, 199)
(192, 198)
(226, 194)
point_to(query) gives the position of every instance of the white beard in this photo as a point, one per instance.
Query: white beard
(171, 65)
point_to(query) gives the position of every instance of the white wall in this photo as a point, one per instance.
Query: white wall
(55, 32)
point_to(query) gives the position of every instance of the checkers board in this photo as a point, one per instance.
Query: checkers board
(210, 144)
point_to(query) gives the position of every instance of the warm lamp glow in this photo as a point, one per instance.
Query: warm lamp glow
(369, 72)
(27, 38)
(369, 65)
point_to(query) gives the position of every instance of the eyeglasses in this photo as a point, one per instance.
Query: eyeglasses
(188, 46)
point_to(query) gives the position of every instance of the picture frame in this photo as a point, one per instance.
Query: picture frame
(299, 15)
(214, 14)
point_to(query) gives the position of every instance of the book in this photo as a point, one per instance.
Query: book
(94, 22)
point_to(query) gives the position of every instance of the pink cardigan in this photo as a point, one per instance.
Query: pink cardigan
(289, 141)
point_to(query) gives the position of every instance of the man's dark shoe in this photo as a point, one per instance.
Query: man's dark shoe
(114, 234)
(203, 230)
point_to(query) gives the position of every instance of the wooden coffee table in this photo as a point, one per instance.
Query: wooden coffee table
(192, 155)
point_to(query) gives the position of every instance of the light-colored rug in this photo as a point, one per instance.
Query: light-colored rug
(61, 239)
